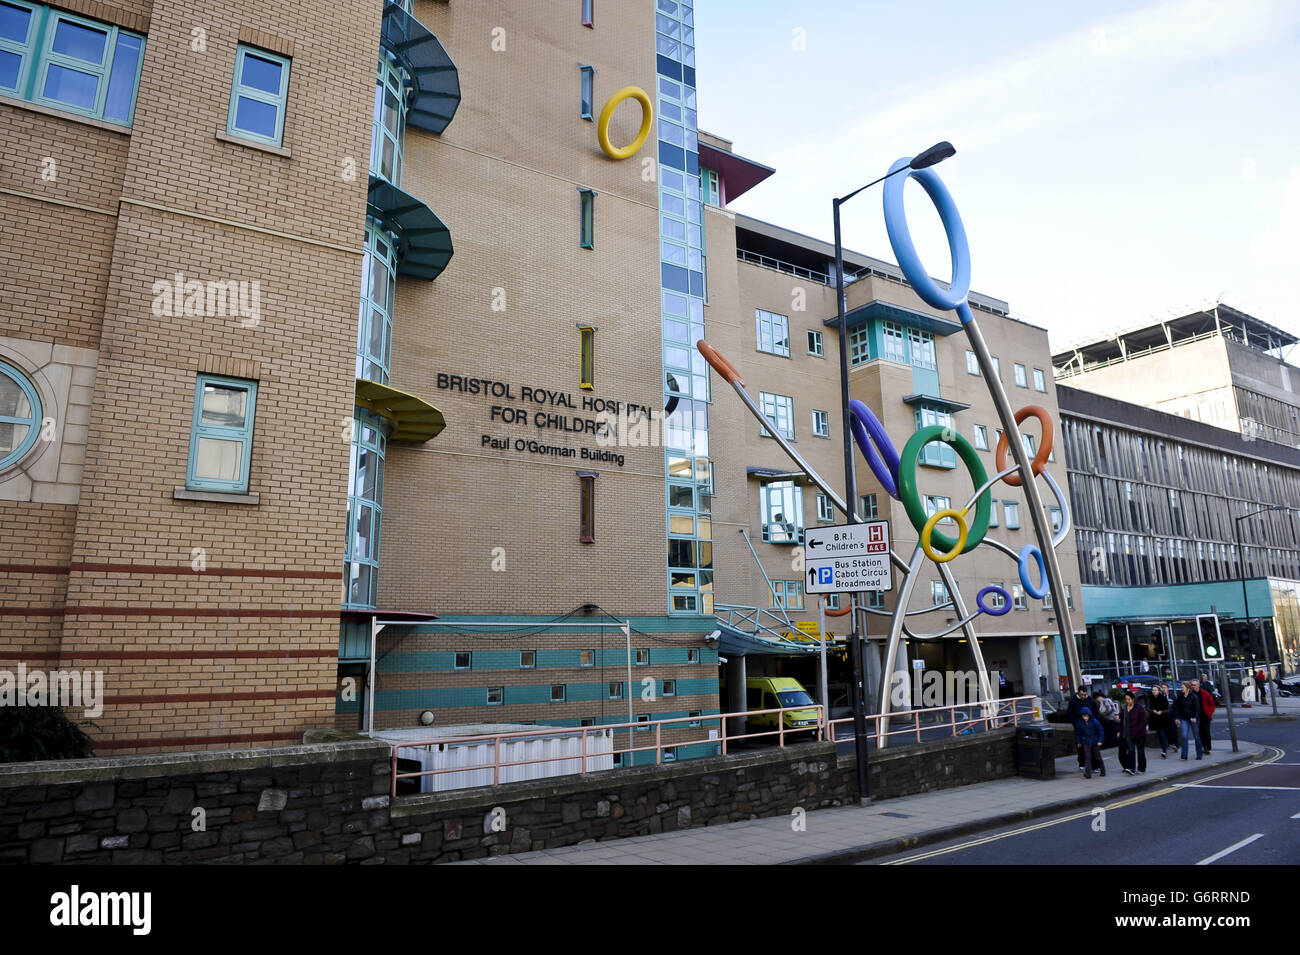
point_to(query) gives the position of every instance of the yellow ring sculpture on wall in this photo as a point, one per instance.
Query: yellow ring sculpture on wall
(606, 114)
(962, 530)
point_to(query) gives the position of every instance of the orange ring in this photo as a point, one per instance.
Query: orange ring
(723, 367)
(1044, 448)
(836, 613)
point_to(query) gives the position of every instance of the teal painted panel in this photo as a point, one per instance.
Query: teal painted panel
(499, 660)
(1103, 604)
(925, 381)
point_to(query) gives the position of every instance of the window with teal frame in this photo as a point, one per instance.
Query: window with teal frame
(587, 220)
(588, 91)
(859, 345)
(935, 454)
(378, 286)
(20, 415)
(893, 343)
(389, 128)
(365, 511)
(258, 96)
(921, 345)
(221, 434)
(69, 62)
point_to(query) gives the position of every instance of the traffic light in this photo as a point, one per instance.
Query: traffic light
(1207, 627)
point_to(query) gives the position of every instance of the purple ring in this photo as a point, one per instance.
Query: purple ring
(883, 457)
(993, 589)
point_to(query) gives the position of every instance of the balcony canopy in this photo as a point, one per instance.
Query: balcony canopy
(435, 83)
(409, 417)
(423, 241)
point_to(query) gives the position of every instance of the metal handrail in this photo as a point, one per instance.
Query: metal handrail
(997, 714)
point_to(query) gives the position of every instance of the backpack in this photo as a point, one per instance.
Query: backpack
(1109, 708)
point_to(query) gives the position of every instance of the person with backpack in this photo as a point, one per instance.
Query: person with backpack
(1207, 712)
(1088, 736)
(1133, 736)
(1187, 707)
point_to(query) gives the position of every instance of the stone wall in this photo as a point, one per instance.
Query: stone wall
(329, 803)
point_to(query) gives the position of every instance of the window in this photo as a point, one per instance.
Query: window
(586, 658)
(69, 62)
(1040, 381)
(825, 509)
(981, 437)
(642, 657)
(586, 721)
(670, 687)
(588, 82)
(258, 96)
(922, 347)
(557, 692)
(221, 434)
(859, 345)
(496, 695)
(1013, 514)
(996, 600)
(587, 508)
(993, 512)
(589, 13)
(20, 410)
(388, 129)
(1028, 441)
(711, 187)
(832, 601)
(527, 659)
(1054, 513)
(867, 509)
(1018, 598)
(972, 363)
(893, 344)
(938, 592)
(670, 754)
(616, 691)
(782, 512)
(1020, 375)
(463, 660)
(773, 332)
(587, 217)
(821, 424)
(1069, 598)
(692, 654)
(997, 368)
(935, 454)
(1047, 600)
(787, 594)
(815, 343)
(876, 599)
(695, 717)
(586, 357)
(642, 718)
(779, 411)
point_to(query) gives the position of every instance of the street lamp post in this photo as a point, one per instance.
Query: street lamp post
(1245, 597)
(935, 154)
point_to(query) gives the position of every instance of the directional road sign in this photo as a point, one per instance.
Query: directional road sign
(848, 557)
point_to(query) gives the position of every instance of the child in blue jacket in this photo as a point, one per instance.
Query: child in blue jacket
(1088, 734)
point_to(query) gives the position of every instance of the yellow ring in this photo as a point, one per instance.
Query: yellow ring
(606, 114)
(960, 518)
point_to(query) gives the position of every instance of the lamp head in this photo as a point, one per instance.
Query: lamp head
(935, 154)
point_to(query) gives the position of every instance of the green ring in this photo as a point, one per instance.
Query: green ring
(911, 498)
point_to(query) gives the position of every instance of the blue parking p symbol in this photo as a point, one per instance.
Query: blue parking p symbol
(825, 576)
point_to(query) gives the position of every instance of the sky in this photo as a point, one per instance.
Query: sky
(1117, 162)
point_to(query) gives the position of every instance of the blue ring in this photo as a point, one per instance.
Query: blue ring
(901, 240)
(1026, 552)
(993, 589)
(867, 430)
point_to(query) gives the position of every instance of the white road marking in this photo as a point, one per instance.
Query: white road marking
(1232, 848)
(1203, 786)
(1296, 816)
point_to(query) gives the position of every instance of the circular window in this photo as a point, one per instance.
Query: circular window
(20, 415)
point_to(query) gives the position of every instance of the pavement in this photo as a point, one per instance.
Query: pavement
(849, 834)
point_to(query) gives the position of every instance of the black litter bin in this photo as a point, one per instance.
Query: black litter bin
(1036, 752)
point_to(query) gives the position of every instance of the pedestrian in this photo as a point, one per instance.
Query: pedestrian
(1261, 686)
(1207, 712)
(1146, 667)
(1078, 703)
(1133, 736)
(1247, 691)
(1106, 712)
(1160, 720)
(1088, 736)
(1187, 707)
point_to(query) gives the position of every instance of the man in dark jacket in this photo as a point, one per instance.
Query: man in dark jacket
(1133, 736)
(1187, 708)
(1088, 735)
(1077, 703)
(1161, 721)
(1207, 712)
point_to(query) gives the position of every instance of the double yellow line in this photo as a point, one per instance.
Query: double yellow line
(921, 857)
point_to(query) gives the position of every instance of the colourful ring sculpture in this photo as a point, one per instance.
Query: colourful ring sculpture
(883, 457)
(835, 613)
(607, 113)
(1031, 551)
(911, 498)
(901, 239)
(928, 530)
(1044, 448)
(992, 611)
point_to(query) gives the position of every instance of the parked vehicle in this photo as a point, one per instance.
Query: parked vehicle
(773, 692)
(1139, 683)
